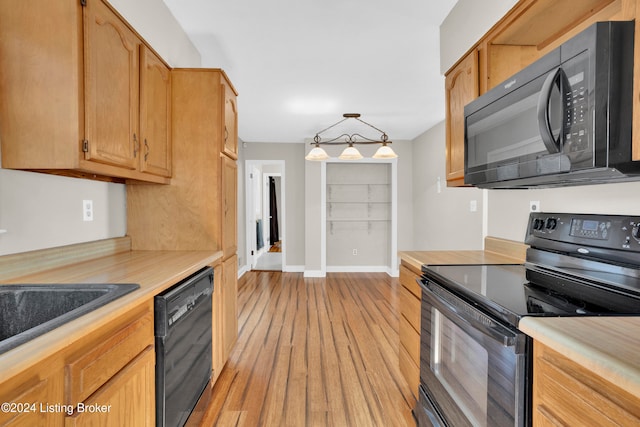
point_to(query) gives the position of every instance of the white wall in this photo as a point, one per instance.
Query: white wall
(442, 219)
(467, 22)
(153, 20)
(41, 211)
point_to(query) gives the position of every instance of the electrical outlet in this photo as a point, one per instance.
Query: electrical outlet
(87, 210)
(534, 206)
(473, 206)
(355, 252)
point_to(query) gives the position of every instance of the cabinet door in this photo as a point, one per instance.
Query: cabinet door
(155, 114)
(111, 88)
(230, 208)
(217, 342)
(128, 399)
(29, 399)
(230, 122)
(567, 394)
(230, 304)
(461, 85)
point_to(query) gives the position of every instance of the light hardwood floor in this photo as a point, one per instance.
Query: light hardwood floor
(314, 352)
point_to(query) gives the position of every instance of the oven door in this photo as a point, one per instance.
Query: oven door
(474, 371)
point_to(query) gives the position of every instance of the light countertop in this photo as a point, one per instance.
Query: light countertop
(416, 259)
(607, 346)
(154, 271)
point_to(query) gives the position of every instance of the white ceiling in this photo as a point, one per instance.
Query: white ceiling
(298, 65)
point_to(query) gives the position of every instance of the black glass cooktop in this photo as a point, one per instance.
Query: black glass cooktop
(512, 291)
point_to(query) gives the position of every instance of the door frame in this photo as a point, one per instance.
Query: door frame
(250, 226)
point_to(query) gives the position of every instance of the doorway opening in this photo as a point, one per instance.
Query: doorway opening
(266, 243)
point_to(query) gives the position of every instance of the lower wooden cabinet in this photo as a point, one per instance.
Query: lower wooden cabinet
(105, 379)
(567, 394)
(28, 397)
(409, 327)
(113, 374)
(217, 346)
(230, 304)
(127, 399)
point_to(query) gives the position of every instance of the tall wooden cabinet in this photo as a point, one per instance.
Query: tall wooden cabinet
(71, 93)
(527, 32)
(198, 210)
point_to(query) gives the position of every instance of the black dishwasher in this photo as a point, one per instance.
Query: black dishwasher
(183, 347)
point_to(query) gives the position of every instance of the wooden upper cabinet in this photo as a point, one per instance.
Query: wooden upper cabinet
(155, 114)
(230, 122)
(111, 88)
(70, 93)
(461, 87)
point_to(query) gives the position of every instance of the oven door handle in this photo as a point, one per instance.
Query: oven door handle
(453, 305)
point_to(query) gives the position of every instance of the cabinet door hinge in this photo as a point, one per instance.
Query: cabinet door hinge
(85, 146)
(83, 2)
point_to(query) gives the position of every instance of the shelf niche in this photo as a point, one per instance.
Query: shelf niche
(360, 227)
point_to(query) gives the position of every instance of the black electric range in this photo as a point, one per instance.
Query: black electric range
(475, 364)
(568, 271)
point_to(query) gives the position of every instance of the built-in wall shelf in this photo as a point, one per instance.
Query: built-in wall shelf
(359, 220)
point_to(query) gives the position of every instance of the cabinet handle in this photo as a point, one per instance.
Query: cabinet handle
(135, 146)
(226, 134)
(146, 150)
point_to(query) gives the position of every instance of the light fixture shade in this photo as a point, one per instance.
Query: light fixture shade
(317, 154)
(350, 153)
(385, 152)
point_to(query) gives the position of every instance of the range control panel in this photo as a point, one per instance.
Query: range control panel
(617, 232)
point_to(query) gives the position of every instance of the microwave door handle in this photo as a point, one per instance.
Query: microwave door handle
(449, 303)
(544, 124)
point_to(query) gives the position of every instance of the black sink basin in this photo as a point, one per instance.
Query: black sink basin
(27, 311)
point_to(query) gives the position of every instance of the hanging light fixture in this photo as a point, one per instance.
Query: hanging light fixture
(351, 152)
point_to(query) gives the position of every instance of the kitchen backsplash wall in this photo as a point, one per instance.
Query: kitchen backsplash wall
(41, 211)
(509, 209)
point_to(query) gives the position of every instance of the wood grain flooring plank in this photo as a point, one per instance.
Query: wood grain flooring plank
(314, 352)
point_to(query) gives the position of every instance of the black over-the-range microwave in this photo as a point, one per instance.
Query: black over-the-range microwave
(566, 119)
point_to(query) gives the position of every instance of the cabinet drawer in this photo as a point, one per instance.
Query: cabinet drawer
(410, 307)
(106, 354)
(409, 370)
(410, 339)
(408, 279)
